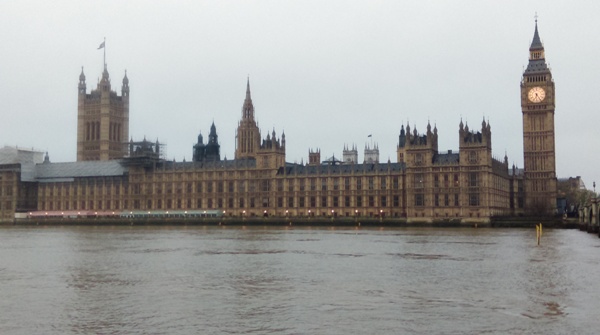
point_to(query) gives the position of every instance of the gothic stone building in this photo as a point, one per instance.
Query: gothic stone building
(423, 185)
(102, 120)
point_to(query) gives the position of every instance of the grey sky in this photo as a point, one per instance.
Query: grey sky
(329, 73)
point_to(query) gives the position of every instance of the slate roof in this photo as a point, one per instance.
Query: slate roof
(536, 43)
(443, 159)
(537, 66)
(51, 172)
(291, 169)
(222, 164)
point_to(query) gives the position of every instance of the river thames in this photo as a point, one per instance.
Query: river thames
(287, 280)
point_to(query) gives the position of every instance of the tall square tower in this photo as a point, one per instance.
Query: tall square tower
(102, 120)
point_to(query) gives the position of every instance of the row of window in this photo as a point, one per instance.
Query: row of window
(534, 79)
(419, 180)
(251, 186)
(282, 202)
(445, 200)
(252, 202)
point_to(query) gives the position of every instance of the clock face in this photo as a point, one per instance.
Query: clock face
(536, 94)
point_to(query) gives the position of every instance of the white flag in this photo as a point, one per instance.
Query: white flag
(101, 46)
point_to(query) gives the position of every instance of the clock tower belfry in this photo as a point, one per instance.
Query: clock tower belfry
(537, 105)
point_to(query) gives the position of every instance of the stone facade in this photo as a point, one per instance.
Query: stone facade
(424, 185)
(102, 120)
(538, 105)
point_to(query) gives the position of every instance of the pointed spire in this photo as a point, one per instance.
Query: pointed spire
(536, 43)
(248, 87)
(105, 75)
(82, 86)
(125, 87)
(248, 107)
(537, 58)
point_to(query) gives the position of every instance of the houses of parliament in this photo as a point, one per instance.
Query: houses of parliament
(116, 174)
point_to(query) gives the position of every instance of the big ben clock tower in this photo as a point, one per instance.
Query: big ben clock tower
(537, 105)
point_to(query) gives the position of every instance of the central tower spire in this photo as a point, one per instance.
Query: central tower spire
(248, 108)
(248, 135)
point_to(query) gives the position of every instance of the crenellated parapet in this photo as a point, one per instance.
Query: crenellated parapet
(271, 153)
(417, 149)
(475, 138)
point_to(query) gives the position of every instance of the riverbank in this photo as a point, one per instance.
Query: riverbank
(518, 222)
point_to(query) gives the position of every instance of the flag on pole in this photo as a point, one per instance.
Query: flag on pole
(370, 135)
(101, 45)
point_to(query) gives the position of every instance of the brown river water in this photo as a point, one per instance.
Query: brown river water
(287, 280)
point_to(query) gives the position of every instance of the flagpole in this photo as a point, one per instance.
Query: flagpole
(104, 53)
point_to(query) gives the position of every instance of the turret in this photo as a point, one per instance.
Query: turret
(125, 87)
(82, 87)
(350, 155)
(314, 157)
(212, 136)
(213, 148)
(402, 138)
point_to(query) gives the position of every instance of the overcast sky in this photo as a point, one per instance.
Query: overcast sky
(328, 73)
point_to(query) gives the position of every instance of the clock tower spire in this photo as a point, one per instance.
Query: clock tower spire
(537, 106)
